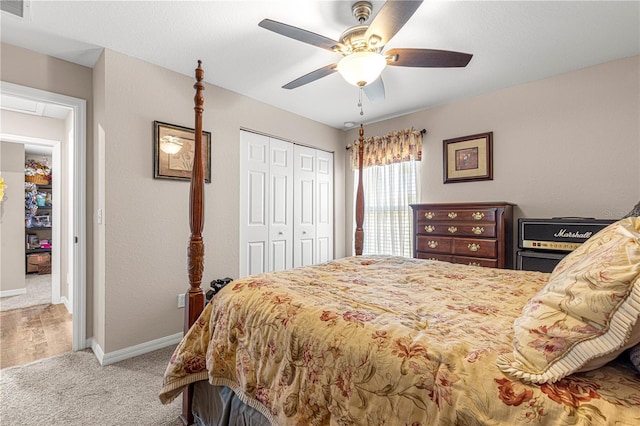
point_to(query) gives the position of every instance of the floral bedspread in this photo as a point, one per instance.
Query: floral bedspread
(387, 341)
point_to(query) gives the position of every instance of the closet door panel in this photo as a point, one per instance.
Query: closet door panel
(305, 251)
(324, 206)
(279, 255)
(304, 210)
(281, 205)
(256, 256)
(254, 188)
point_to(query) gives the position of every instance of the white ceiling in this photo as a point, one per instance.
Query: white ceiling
(513, 42)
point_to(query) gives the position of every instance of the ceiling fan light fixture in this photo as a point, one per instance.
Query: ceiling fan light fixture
(362, 68)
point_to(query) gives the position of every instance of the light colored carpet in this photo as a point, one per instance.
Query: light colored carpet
(73, 389)
(38, 293)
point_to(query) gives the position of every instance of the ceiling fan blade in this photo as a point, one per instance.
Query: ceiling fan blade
(375, 90)
(312, 76)
(391, 17)
(299, 34)
(427, 58)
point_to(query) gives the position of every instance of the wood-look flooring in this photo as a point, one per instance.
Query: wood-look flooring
(33, 333)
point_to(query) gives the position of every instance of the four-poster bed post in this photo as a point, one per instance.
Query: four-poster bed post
(195, 252)
(359, 237)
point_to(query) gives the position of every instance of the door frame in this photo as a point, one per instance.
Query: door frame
(77, 220)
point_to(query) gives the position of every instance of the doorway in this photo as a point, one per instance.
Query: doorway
(75, 207)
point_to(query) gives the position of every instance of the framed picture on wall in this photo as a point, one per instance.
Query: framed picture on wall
(173, 152)
(468, 158)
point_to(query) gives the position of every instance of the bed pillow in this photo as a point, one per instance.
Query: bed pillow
(634, 353)
(586, 314)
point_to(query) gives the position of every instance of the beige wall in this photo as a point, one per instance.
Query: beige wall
(12, 260)
(146, 225)
(31, 69)
(568, 145)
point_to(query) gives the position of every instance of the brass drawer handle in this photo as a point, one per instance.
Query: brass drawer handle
(429, 228)
(477, 230)
(452, 215)
(452, 229)
(474, 247)
(429, 215)
(477, 215)
(432, 244)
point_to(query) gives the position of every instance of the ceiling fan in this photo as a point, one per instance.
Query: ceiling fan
(362, 47)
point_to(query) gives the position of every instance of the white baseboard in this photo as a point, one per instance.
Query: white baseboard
(67, 304)
(132, 351)
(16, 292)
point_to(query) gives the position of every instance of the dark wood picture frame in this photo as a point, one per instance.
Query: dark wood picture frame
(468, 158)
(178, 166)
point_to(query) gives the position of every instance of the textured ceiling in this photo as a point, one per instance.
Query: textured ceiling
(513, 42)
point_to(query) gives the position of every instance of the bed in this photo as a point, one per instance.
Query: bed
(381, 340)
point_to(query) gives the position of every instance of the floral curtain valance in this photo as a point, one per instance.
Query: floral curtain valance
(395, 147)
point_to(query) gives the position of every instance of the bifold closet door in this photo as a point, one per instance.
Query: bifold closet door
(286, 204)
(254, 205)
(324, 206)
(280, 205)
(304, 206)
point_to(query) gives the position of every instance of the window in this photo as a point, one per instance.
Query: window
(388, 220)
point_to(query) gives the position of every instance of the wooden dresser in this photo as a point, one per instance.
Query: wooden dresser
(471, 233)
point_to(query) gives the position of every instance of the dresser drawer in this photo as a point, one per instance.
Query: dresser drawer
(455, 229)
(475, 247)
(462, 215)
(434, 256)
(434, 244)
(474, 261)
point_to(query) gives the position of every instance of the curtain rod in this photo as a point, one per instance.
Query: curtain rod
(422, 132)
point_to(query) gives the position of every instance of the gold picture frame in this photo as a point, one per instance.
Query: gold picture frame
(468, 158)
(173, 152)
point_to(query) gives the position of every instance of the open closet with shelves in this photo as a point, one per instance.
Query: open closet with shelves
(38, 219)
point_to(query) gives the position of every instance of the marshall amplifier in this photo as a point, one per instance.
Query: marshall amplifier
(543, 242)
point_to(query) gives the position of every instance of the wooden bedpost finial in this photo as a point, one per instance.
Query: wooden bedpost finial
(359, 236)
(199, 97)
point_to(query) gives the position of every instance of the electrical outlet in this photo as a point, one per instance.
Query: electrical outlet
(181, 300)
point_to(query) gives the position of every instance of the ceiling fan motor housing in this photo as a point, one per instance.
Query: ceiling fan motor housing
(352, 40)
